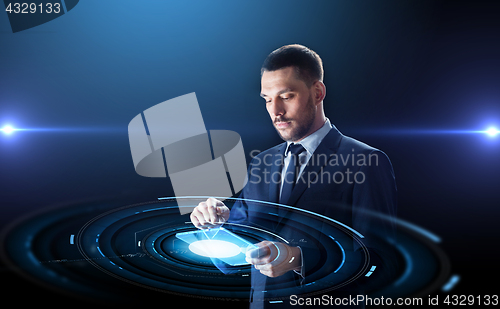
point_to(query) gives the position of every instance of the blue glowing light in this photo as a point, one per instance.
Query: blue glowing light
(451, 283)
(8, 129)
(492, 131)
(214, 248)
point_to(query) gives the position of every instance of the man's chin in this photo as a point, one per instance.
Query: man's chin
(288, 134)
(286, 137)
(283, 134)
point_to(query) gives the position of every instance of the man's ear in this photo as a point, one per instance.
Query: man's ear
(319, 91)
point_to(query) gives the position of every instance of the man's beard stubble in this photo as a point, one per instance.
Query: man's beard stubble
(303, 128)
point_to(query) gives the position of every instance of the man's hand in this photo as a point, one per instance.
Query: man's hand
(273, 259)
(210, 213)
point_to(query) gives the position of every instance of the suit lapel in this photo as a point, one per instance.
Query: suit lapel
(274, 186)
(328, 146)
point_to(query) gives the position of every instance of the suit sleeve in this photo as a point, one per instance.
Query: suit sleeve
(239, 211)
(373, 214)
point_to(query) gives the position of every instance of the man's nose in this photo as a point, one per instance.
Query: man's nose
(277, 108)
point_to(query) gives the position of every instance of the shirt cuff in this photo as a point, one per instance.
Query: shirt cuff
(301, 273)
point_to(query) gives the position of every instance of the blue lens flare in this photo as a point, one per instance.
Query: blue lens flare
(8, 129)
(491, 131)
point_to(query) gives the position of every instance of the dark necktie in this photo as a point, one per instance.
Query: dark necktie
(291, 173)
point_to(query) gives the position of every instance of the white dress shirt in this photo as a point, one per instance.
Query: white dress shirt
(310, 143)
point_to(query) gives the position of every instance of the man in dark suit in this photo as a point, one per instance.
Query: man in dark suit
(316, 169)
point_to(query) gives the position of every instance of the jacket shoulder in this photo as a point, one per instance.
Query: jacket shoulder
(350, 144)
(271, 151)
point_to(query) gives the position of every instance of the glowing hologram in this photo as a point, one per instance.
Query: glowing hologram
(371, 271)
(302, 210)
(448, 286)
(214, 248)
(343, 256)
(218, 243)
(138, 245)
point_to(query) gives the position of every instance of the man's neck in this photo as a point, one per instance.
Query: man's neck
(318, 124)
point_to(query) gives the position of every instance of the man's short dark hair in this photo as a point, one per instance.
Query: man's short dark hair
(306, 62)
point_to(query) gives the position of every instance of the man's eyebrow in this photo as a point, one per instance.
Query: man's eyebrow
(279, 92)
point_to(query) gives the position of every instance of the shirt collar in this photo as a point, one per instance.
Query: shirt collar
(312, 141)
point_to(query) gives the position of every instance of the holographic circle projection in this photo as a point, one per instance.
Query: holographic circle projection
(83, 249)
(173, 267)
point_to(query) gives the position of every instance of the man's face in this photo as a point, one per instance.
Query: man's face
(289, 102)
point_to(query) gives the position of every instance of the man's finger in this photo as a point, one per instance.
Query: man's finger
(203, 211)
(272, 273)
(263, 267)
(222, 210)
(263, 249)
(198, 216)
(255, 258)
(195, 220)
(259, 253)
(215, 208)
(212, 213)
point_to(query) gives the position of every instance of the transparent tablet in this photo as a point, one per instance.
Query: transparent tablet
(218, 243)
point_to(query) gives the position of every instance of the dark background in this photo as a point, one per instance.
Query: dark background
(401, 76)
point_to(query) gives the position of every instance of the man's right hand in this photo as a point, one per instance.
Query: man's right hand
(210, 213)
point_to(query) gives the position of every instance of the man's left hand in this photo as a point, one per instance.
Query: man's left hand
(273, 259)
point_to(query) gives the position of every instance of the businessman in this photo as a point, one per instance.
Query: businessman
(308, 171)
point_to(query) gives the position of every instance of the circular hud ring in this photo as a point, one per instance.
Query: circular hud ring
(81, 249)
(170, 266)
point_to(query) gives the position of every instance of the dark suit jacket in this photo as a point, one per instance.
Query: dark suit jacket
(349, 187)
